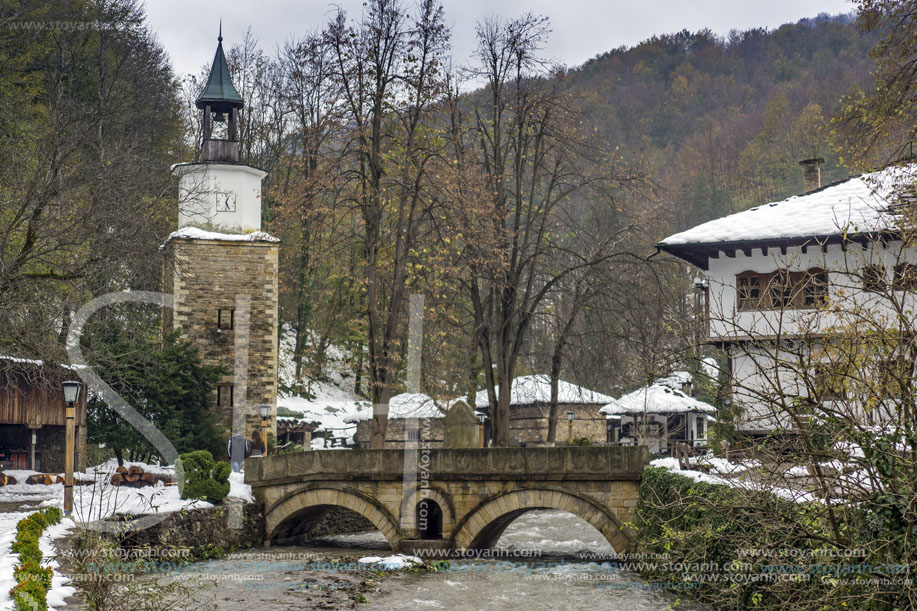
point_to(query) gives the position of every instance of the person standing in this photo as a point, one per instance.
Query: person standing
(238, 449)
(256, 446)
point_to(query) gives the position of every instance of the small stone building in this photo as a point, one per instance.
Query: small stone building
(660, 415)
(32, 417)
(412, 417)
(530, 401)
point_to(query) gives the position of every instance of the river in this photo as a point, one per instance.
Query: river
(568, 574)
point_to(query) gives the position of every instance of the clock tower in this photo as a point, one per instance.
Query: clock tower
(220, 268)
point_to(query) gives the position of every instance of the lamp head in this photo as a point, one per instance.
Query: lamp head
(265, 411)
(72, 391)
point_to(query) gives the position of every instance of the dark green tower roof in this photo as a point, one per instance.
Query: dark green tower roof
(219, 91)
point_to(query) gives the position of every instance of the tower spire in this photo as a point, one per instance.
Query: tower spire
(219, 100)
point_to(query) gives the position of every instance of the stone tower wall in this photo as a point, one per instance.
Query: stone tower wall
(205, 276)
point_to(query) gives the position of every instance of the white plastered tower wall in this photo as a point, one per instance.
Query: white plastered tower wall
(223, 197)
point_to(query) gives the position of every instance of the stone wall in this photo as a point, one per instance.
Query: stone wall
(232, 525)
(528, 424)
(206, 276)
(340, 521)
(430, 432)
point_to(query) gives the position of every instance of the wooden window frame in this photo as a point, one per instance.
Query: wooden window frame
(781, 290)
(752, 281)
(222, 315)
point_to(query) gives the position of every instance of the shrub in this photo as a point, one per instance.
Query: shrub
(29, 595)
(204, 478)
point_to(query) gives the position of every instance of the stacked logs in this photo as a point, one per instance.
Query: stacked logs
(44, 478)
(6, 480)
(135, 477)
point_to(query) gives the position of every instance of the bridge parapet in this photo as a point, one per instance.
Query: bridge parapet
(469, 495)
(543, 464)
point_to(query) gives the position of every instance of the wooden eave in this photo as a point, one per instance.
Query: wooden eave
(699, 254)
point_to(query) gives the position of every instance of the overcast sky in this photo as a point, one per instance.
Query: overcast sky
(581, 29)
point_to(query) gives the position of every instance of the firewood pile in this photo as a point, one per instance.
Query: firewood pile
(45, 478)
(135, 477)
(6, 480)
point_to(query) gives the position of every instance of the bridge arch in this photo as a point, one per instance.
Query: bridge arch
(409, 506)
(287, 516)
(483, 526)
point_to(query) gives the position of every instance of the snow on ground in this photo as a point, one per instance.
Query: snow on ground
(330, 402)
(718, 474)
(406, 405)
(90, 502)
(391, 563)
(8, 559)
(239, 489)
(60, 585)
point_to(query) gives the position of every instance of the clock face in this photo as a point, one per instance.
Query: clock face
(226, 202)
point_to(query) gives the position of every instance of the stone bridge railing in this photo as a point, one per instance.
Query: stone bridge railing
(541, 464)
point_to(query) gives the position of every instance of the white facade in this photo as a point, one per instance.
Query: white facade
(765, 376)
(224, 197)
(826, 245)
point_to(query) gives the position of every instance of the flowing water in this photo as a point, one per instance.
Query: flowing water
(570, 573)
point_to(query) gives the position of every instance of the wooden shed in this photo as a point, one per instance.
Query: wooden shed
(32, 416)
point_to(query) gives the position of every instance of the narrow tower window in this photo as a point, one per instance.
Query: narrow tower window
(226, 319)
(224, 395)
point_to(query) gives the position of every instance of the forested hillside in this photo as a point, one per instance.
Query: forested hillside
(723, 123)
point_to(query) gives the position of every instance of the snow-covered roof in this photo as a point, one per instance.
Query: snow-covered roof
(661, 397)
(537, 389)
(861, 204)
(195, 233)
(405, 405)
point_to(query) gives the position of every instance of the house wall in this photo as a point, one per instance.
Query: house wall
(843, 267)
(763, 375)
(396, 432)
(528, 424)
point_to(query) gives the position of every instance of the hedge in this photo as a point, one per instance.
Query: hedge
(735, 548)
(32, 580)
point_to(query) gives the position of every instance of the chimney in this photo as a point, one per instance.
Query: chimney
(811, 174)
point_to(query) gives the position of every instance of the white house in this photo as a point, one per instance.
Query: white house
(772, 272)
(660, 414)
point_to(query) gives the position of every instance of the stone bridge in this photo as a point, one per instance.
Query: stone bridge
(449, 498)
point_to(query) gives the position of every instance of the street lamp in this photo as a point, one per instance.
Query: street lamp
(265, 410)
(71, 396)
(570, 428)
(481, 418)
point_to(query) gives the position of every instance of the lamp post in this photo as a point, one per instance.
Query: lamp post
(570, 428)
(71, 396)
(481, 418)
(265, 410)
